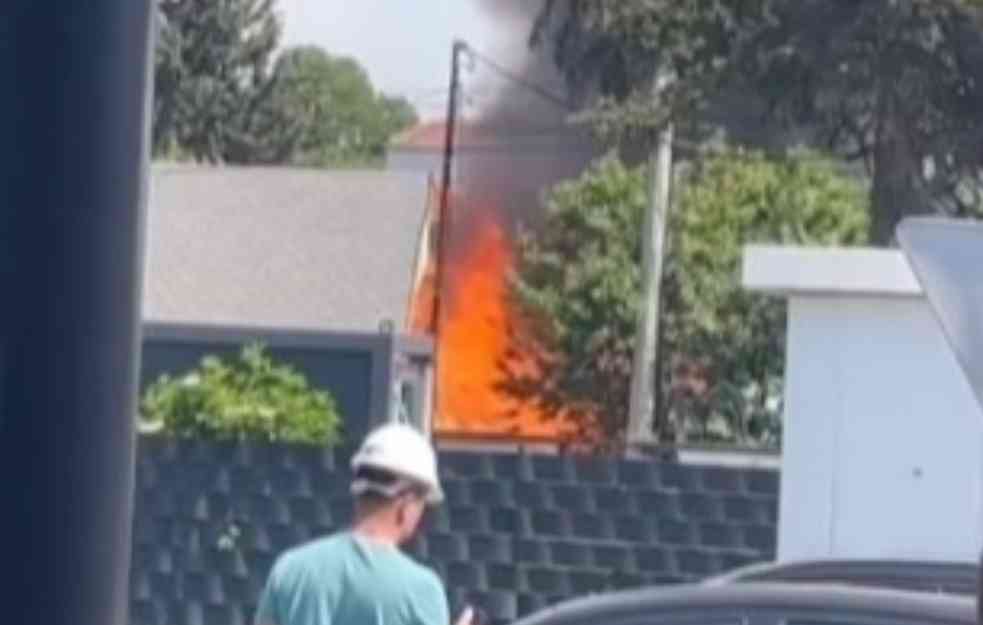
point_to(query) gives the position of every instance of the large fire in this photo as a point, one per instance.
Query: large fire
(474, 337)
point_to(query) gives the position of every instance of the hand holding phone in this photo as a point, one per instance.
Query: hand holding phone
(467, 617)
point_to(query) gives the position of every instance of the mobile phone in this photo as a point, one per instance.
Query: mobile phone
(466, 617)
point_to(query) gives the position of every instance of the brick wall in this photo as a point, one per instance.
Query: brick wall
(517, 532)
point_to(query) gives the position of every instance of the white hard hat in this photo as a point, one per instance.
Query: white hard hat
(402, 451)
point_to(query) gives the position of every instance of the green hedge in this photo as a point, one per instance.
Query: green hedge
(249, 397)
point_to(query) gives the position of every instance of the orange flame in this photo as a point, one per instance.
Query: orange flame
(474, 338)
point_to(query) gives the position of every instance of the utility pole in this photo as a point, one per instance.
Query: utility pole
(642, 403)
(450, 126)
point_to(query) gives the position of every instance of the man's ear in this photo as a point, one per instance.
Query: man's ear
(401, 507)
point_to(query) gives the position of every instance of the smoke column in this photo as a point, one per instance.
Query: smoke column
(522, 142)
(513, 144)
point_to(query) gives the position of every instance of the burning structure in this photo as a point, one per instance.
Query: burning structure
(497, 185)
(506, 155)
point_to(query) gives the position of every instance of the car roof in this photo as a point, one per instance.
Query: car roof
(877, 602)
(934, 576)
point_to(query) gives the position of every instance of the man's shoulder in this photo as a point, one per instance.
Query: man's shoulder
(410, 573)
(424, 579)
(303, 556)
(427, 592)
(298, 562)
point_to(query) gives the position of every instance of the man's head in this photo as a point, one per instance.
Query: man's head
(395, 478)
(390, 503)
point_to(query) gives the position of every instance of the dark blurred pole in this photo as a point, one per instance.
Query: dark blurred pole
(979, 593)
(73, 172)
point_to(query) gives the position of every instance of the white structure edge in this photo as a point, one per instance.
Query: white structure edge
(829, 271)
(882, 454)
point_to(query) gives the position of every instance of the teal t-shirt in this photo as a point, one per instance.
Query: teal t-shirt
(345, 579)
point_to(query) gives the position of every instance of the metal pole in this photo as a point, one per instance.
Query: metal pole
(74, 170)
(642, 406)
(450, 127)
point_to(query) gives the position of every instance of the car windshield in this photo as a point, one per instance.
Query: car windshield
(628, 294)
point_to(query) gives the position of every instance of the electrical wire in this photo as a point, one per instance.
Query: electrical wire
(511, 76)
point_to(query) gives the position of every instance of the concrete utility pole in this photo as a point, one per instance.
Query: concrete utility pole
(642, 405)
(458, 48)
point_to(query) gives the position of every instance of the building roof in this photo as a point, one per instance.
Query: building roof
(282, 248)
(429, 136)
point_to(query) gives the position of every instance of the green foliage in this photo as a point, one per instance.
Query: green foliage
(613, 50)
(897, 84)
(734, 337)
(220, 98)
(396, 115)
(213, 81)
(578, 280)
(248, 398)
(341, 119)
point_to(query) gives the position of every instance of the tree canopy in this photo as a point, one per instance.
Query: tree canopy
(213, 79)
(226, 93)
(578, 282)
(895, 84)
(342, 120)
(732, 339)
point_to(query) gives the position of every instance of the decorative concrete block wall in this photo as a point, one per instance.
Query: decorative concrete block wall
(517, 532)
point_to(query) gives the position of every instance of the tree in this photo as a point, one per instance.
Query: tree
(396, 114)
(733, 339)
(248, 398)
(341, 118)
(213, 82)
(610, 52)
(578, 279)
(893, 83)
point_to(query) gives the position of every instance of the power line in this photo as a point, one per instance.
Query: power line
(539, 90)
(421, 90)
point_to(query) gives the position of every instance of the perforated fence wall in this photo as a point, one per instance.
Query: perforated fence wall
(517, 533)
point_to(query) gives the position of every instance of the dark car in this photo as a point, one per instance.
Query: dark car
(761, 604)
(958, 578)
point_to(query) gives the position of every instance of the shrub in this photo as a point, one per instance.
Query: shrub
(250, 397)
(578, 280)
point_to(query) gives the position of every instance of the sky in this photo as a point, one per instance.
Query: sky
(403, 44)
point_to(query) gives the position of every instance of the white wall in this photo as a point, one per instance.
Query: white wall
(883, 440)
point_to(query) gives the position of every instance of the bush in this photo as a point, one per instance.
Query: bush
(246, 398)
(736, 338)
(578, 281)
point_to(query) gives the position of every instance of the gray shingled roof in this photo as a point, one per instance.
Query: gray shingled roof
(283, 248)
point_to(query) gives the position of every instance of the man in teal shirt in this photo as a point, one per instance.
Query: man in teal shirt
(359, 576)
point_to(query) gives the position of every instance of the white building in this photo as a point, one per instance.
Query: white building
(883, 438)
